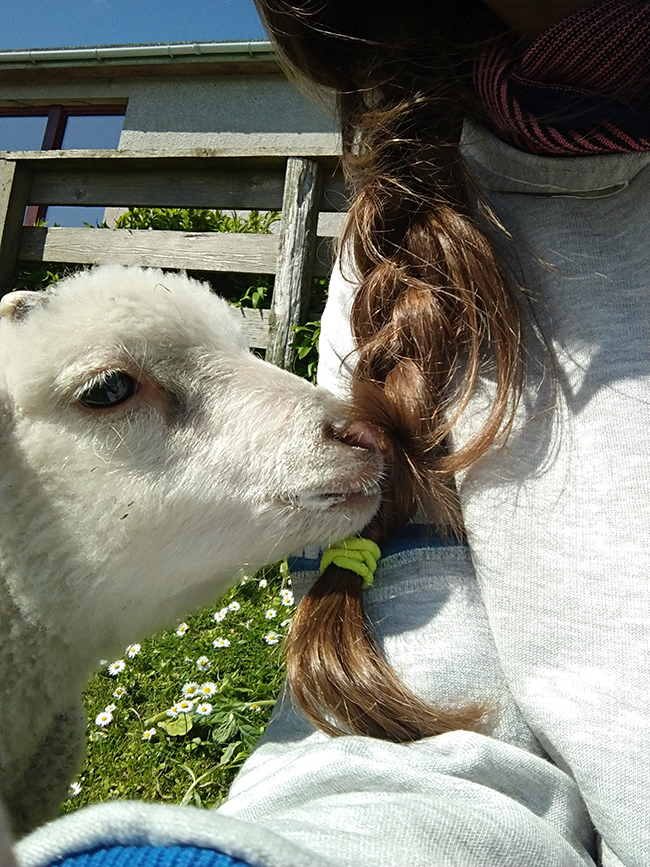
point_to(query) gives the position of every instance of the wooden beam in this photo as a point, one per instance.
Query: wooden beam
(15, 180)
(201, 177)
(192, 251)
(300, 206)
(117, 185)
(255, 324)
(195, 251)
(254, 151)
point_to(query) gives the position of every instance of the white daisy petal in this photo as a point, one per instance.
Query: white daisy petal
(209, 688)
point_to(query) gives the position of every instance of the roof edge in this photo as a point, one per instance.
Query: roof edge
(124, 52)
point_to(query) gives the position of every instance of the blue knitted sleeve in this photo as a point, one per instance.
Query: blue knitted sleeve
(151, 856)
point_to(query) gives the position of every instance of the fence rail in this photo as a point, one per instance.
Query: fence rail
(300, 187)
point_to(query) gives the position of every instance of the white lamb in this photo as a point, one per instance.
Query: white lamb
(146, 457)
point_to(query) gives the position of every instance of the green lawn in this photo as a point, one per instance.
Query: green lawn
(135, 749)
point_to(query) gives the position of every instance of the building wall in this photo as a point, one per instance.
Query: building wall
(222, 111)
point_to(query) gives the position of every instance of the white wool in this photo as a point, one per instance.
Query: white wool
(119, 521)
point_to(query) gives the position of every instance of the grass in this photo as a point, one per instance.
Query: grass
(190, 758)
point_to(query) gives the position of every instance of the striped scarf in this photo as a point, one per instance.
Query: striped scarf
(582, 87)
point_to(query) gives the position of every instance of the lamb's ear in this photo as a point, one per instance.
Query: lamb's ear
(16, 305)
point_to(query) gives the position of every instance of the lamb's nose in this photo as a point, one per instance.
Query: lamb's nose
(361, 434)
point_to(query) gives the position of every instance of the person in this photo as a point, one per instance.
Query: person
(489, 313)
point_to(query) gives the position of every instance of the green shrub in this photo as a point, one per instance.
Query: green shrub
(197, 220)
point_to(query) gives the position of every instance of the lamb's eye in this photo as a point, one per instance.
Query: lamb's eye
(113, 388)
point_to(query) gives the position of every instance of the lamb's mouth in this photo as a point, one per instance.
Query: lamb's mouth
(320, 501)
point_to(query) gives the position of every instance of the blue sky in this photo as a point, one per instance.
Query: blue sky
(71, 23)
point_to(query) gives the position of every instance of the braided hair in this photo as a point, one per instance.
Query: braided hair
(432, 312)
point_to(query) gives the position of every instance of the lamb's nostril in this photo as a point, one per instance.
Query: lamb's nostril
(360, 434)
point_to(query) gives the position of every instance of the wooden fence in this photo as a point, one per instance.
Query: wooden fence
(300, 187)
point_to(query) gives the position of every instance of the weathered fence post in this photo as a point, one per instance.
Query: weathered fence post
(297, 249)
(15, 181)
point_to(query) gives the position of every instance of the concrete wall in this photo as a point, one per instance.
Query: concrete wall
(223, 111)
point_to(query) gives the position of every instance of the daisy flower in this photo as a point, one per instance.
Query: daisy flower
(203, 663)
(255, 707)
(110, 708)
(132, 650)
(204, 709)
(75, 789)
(116, 667)
(234, 606)
(190, 689)
(119, 692)
(172, 713)
(219, 616)
(103, 718)
(272, 638)
(287, 597)
(270, 614)
(184, 705)
(149, 734)
(208, 688)
(264, 583)
(181, 629)
(221, 642)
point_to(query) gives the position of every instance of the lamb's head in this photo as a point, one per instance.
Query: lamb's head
(149, 454)
(146, 456)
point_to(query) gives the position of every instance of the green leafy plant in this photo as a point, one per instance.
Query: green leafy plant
(306, 349)
(197, 220)
(46, 274)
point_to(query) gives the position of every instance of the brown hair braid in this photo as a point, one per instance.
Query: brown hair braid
(431, 312)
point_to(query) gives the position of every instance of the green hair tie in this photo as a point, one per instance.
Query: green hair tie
(356, 554)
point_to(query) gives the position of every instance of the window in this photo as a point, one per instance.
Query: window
(22, 133)
(61, 127)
